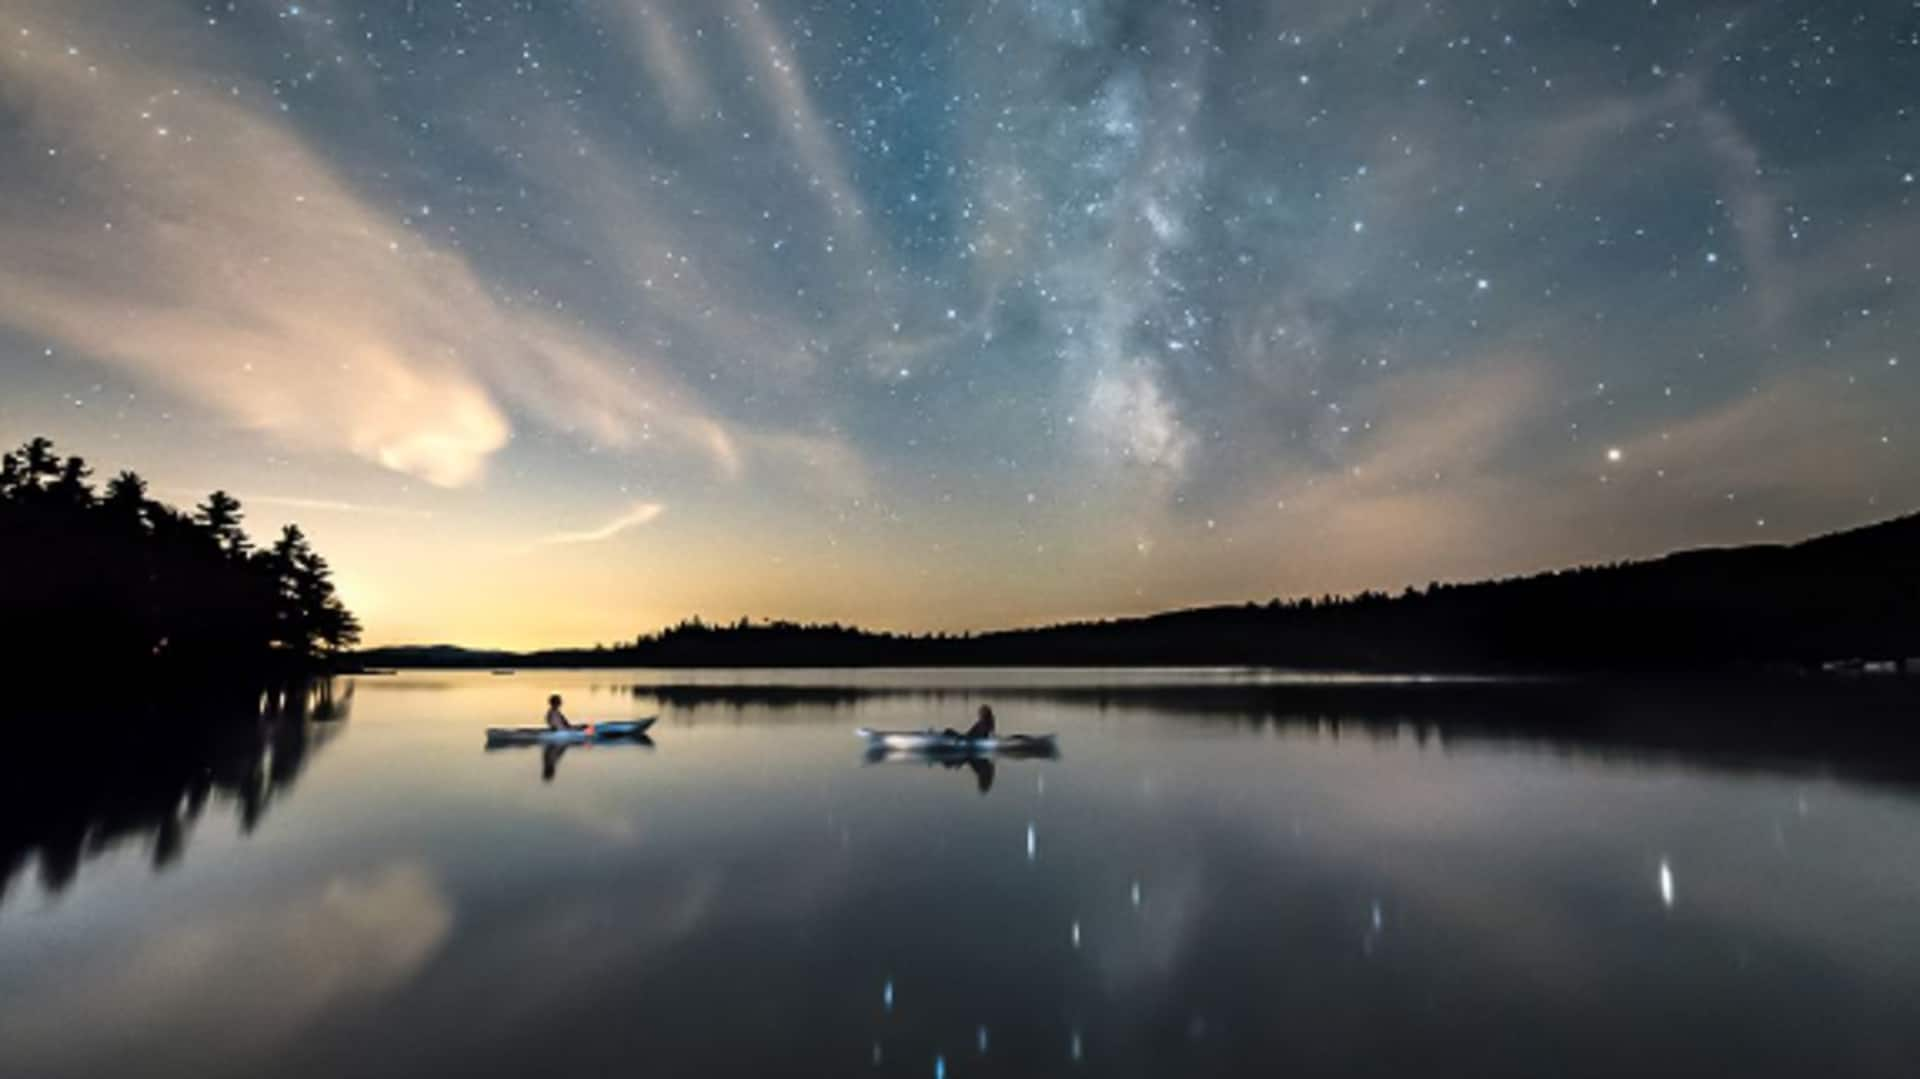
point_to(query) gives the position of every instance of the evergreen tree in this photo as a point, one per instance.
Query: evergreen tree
(327, 625)
(309, 619)
(281, 560)
(120, 582)
(126, 501)
(41, 463)
(35, 469)
(71, 489)
(220, 515)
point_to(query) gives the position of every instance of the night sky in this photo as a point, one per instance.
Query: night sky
(553, 322)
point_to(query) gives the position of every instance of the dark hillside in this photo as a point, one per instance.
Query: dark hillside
(1851, 595)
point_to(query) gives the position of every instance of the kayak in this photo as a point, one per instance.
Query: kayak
(940, 743)
(591, 732)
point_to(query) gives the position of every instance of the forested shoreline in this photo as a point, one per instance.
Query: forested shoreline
(1848, 598)
(136, 593)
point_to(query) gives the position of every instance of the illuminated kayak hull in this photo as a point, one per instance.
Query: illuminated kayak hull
(939, 743)
(589, 732)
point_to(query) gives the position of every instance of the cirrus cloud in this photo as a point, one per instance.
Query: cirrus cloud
(191, 237)
(638, 514)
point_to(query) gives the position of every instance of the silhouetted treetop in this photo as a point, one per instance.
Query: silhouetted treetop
(220, 515)
(119, 580)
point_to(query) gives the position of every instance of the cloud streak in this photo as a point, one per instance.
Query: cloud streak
(318, 505)
(640, 513)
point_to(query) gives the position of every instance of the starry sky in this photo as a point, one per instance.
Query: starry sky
(557, 322)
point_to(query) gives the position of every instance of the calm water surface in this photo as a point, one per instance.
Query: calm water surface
(1203, 884)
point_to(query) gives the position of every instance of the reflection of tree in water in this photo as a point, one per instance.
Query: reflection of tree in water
(690, 697)
(1760, 721)
(68, 800)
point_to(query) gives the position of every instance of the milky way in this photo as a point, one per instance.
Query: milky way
(956, 314)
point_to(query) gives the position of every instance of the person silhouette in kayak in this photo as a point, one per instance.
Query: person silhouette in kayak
(556, 719)
(982, 727)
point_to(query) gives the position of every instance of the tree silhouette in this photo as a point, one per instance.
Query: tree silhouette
(126, 502)
(220, 515)
(309, 618)
(71, 489)
(41, 463)
(122, 583)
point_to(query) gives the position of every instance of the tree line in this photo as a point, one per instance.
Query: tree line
(1849, 596)
(112, 580)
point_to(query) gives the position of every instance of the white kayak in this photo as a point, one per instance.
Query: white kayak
(932, 742)
(588, 732)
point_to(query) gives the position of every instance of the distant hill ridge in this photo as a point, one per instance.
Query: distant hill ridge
(1851, 595)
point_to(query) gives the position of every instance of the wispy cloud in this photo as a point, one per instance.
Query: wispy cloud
(317, 505)
(197, 239)
(670, 62)
(246, 277)
(639, 514)
(782, 82)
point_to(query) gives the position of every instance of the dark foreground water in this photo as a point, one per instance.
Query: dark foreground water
(1216, 878)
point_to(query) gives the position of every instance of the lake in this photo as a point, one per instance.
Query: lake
(1223, 873)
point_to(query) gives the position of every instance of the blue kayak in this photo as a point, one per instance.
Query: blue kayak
(586, 732)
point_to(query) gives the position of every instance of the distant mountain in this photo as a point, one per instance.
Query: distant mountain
(434, 656)
(1852, 595)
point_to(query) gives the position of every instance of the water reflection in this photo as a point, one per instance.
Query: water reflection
(246, 980)
(550, 753)
(68, 802)
(981, 765)
(1758, 723)
(1236, 882)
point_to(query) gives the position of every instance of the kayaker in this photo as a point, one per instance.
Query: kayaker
(556, 719)
(982, 727)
